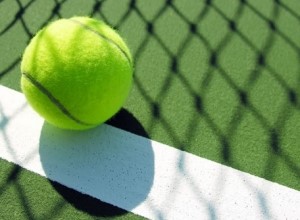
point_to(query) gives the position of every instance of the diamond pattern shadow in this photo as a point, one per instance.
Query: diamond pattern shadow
(196, 87)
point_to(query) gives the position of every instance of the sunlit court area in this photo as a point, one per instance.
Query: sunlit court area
(162, 109)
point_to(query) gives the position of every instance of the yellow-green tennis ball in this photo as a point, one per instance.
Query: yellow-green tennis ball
(76, 73)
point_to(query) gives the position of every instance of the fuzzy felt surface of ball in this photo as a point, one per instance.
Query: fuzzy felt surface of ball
(76, 73)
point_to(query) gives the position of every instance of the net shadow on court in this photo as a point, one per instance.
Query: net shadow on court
(214, 68)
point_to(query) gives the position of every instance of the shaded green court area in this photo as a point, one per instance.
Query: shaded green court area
(218, 79)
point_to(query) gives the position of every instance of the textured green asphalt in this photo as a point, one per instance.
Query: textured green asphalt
(218, 79)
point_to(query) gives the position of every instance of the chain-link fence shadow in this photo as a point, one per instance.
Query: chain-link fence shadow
(221, 80)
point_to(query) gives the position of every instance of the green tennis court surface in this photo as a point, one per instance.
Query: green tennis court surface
(218, 79)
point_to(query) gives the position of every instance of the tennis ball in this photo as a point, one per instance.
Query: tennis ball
(76, 73)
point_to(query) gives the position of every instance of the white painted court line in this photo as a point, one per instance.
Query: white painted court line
(140, 175)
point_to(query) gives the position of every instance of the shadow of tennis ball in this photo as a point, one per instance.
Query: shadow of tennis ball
(101, 166)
